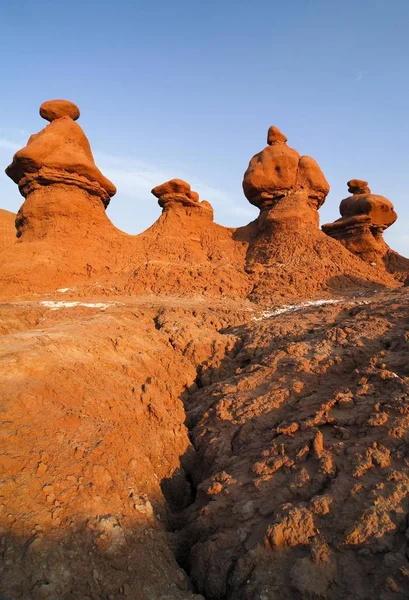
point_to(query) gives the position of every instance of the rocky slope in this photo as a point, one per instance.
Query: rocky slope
(302, 471)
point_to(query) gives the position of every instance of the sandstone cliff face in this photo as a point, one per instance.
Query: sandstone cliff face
(199, 412)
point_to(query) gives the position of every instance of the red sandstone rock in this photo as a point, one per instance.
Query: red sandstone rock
(275, 136)
(58, 158)
(7, 229)
(286, 244)
(55, 109)
(298, 419)
(365, 216)
(59, 153)
(302, 473)
(358, 186)
(177, 192)
(278, 172)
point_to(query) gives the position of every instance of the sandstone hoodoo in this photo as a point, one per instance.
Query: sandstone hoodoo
(57, 175)
(177, 193)
(55, 109)
(364, 218)
(286, 187)
(287, 249)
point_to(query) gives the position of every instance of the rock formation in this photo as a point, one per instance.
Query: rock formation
(286, 247)
(197, 408)
(286, 187)
(364, 218)
(57, 176)
(177, 193)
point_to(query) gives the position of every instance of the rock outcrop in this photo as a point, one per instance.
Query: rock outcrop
(302, 473)
(176, 193)
(197, 408)
(73, 243)
(286, 187)
(287, 249)
(57, 175)
(364, 218)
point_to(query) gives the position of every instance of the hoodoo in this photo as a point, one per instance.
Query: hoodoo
(286, 187)
(216, 399)
(176, 193)
(287, 250)
(364, 218)
(57, 175)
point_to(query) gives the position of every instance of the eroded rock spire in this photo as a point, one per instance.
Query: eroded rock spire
(364, 218)
(177, 193)
(287, 186)
(57, 159)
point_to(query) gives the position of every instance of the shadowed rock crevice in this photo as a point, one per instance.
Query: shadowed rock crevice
(298, 455)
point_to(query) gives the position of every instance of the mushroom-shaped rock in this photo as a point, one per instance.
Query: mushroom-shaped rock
(358, 186)
(287, 186)
(279, 170)
(379, 209)
(57, 159)
(60, 153)
(364, 217)
(176, 193)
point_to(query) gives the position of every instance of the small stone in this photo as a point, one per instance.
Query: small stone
(358, 186)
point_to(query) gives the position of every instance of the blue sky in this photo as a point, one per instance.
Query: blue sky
(188, 89)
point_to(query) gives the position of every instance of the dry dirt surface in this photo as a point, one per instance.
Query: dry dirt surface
(186, 449)
(92, 428)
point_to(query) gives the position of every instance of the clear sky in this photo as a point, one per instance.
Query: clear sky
(188, 88)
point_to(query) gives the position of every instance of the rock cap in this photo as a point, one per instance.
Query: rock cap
(278, 172)
(358, 186)
(274, 136)
(55, 109)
